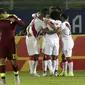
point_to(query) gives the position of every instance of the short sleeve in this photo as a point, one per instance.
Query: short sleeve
(62, 26)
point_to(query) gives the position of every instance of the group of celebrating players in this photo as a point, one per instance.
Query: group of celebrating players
(53, 25)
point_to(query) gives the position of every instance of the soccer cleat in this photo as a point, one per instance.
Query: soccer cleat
(56, 74)
(44, 74)
(17, 79)
(63, 74)
(37, 75)
(31, 74)
(70, 74)
(2, 82)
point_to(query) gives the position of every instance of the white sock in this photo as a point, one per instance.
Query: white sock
(35, 67)
(31, 65)
(50, 66)
(65, 66)
(45, 65)
(54, 64)
(70, 67)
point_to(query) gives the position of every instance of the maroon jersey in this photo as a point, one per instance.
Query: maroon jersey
(7, 41)
(5, 30)
(17, 21)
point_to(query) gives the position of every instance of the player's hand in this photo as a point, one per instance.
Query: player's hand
(12, 19)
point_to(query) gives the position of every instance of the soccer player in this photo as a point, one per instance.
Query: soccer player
(7, 44)
(67, 46)
(51, 46)
(33, 30)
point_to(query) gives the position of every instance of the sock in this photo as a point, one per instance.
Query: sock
(64, 63)
(35, 67)
(31, 64)
(55, 65)
(45, 64)
(70, 64)
(2, 72)
(35, 64)
(15, 68)
(49, 62)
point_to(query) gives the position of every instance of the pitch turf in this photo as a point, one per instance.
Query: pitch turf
(26, 79)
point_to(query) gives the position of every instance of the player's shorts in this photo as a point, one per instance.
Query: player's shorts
(51, 47)
(67, 46)
(32, 45)
(7, 49)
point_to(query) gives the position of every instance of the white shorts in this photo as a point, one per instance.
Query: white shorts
(51, 47)
(67, 46)
(32, 45)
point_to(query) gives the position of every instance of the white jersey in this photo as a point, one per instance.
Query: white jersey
(67, 41)
(57, 24)
(52, 40)
(66, 30)
(36, 26)
(32, 41)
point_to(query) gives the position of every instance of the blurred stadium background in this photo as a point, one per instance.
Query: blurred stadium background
(37, 4)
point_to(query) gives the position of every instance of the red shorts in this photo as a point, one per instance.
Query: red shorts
(7, 48)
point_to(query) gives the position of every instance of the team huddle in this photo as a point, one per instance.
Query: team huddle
(53, 25)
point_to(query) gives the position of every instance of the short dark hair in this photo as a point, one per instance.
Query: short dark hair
(55, 15)
(65, 16)
(2, 10)
(44, 11)
(51, 8)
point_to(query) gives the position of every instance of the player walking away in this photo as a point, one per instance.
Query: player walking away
(7, 44)
(67, 46)
(51, 46)
(32, 43)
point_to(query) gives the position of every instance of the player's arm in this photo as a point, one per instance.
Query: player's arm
(27, 31)
(16, 20)
(49, 23)
(46, 30)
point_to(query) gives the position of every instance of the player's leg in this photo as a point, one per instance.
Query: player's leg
(33, 50)
(2, 63)
(44, 65)
(35, 65)
(2, 71)
(15, 69)
(55, 65)
(70, 63)
(13, 58)
(55, 58)
(31, 64)
(29, 45)
(64, 54)
(49, 63)
(48, 52)
(44, 62)
(64, 66)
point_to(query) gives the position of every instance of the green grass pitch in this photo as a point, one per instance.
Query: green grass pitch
(26, 79)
